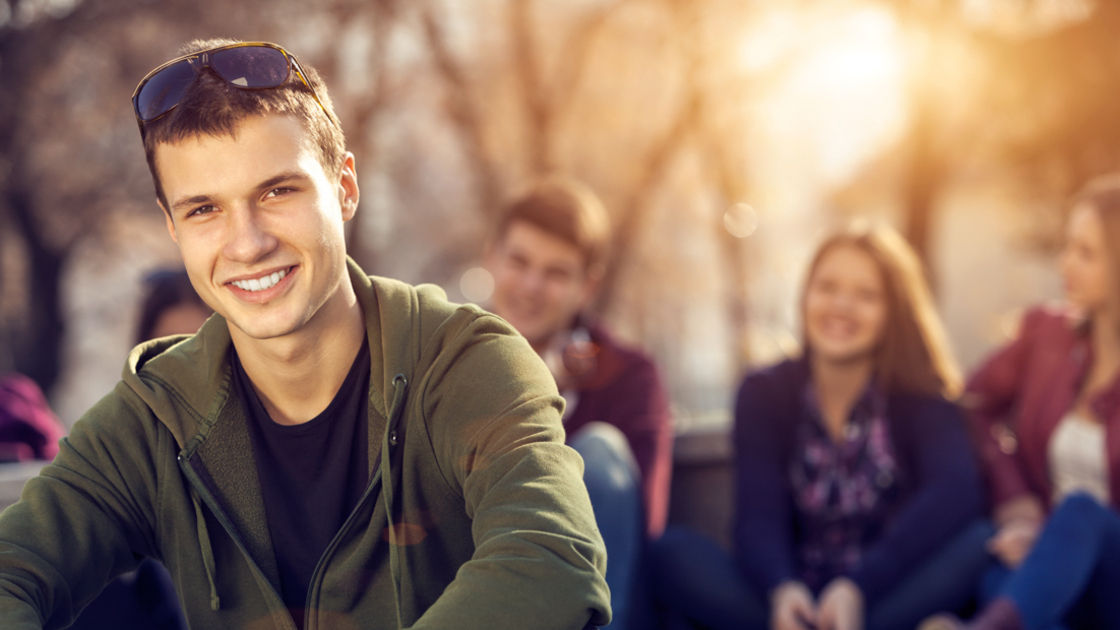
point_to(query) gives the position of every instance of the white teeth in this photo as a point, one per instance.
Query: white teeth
(260, 284)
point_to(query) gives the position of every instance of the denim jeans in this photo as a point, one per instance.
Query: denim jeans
(614, 485)
(698, 581)
(1072, 576)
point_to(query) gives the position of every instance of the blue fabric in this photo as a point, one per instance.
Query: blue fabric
(698, 581)
(613, 483)
(142, 600)
(940, 480)
(1072, 576)
(944, 581)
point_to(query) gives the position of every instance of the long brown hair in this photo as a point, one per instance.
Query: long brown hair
(1102, 194)
(913, 356)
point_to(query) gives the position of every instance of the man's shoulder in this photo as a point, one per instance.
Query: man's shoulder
(418, 312)
(411, 326)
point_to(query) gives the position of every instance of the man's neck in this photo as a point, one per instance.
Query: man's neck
(296, 376)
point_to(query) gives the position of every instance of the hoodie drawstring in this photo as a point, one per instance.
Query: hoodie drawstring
(207, 551)
(400, 385)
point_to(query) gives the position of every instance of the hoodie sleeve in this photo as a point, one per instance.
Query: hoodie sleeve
(493, 414)
(85, 519)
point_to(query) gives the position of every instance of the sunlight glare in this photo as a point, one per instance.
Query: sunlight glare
(773, 38)
(842, 97)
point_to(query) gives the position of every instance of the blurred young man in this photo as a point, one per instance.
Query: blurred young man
(330, 450)
(547, 260)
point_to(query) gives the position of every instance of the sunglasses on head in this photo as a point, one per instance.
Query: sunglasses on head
(248, 66)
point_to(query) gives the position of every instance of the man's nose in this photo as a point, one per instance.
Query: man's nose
(532, 281)
(248, 238)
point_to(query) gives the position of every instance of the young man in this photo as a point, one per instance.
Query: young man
(547, 260)
(330, 450)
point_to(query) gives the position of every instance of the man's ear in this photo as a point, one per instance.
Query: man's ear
(170, 223)
(348, 187)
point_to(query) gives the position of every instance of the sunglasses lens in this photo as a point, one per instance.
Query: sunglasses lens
(251, 66)
(164, 90)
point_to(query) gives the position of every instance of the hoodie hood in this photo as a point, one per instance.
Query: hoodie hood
(165, 373)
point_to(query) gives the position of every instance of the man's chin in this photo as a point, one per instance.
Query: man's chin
(260, 331)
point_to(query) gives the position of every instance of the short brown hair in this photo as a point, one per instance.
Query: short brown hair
(566, 209)
(214, 107)
(913, 357)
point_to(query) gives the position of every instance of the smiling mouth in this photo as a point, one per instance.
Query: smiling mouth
(261, 284)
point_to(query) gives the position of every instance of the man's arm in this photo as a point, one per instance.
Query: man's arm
(493, 414)
(76, 525)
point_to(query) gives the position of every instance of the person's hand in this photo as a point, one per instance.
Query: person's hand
(841, 606)
(792, 607)
(1014, 541)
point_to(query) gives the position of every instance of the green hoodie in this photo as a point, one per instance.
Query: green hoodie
(475, 516)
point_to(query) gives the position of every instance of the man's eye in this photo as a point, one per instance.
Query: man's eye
(201, 210)
(277, 192)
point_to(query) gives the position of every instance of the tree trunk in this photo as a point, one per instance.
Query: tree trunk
(37, 349)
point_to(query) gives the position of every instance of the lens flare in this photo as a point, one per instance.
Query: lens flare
(740, 220)
(477, 285)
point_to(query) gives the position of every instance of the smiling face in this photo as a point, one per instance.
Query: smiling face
(845, 306)
(259, 224)
(1084, 261)
(540, 281)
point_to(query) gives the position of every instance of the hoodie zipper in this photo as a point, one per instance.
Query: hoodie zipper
(400, 384)
(320, 567)
(227, 525)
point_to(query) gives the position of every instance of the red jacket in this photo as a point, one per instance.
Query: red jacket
(1020, 394)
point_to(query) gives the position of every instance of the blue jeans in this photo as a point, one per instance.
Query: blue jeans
(697, 580)
(1072, 576)
(614, 485)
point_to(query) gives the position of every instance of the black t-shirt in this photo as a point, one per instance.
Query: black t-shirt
(312, 475)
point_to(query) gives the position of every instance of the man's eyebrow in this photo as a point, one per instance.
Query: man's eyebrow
(281, 178)
(190, 201)
(271, 182)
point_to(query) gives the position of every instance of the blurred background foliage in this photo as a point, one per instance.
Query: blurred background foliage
(725, 137)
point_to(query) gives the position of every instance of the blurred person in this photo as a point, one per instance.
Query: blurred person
(1046, 413)
(29, 428)
(170, 306)
(547, 258)
(331, 449)
(858, 497)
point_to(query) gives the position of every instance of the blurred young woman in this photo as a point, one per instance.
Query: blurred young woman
(1046, 409)
(858, 497)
